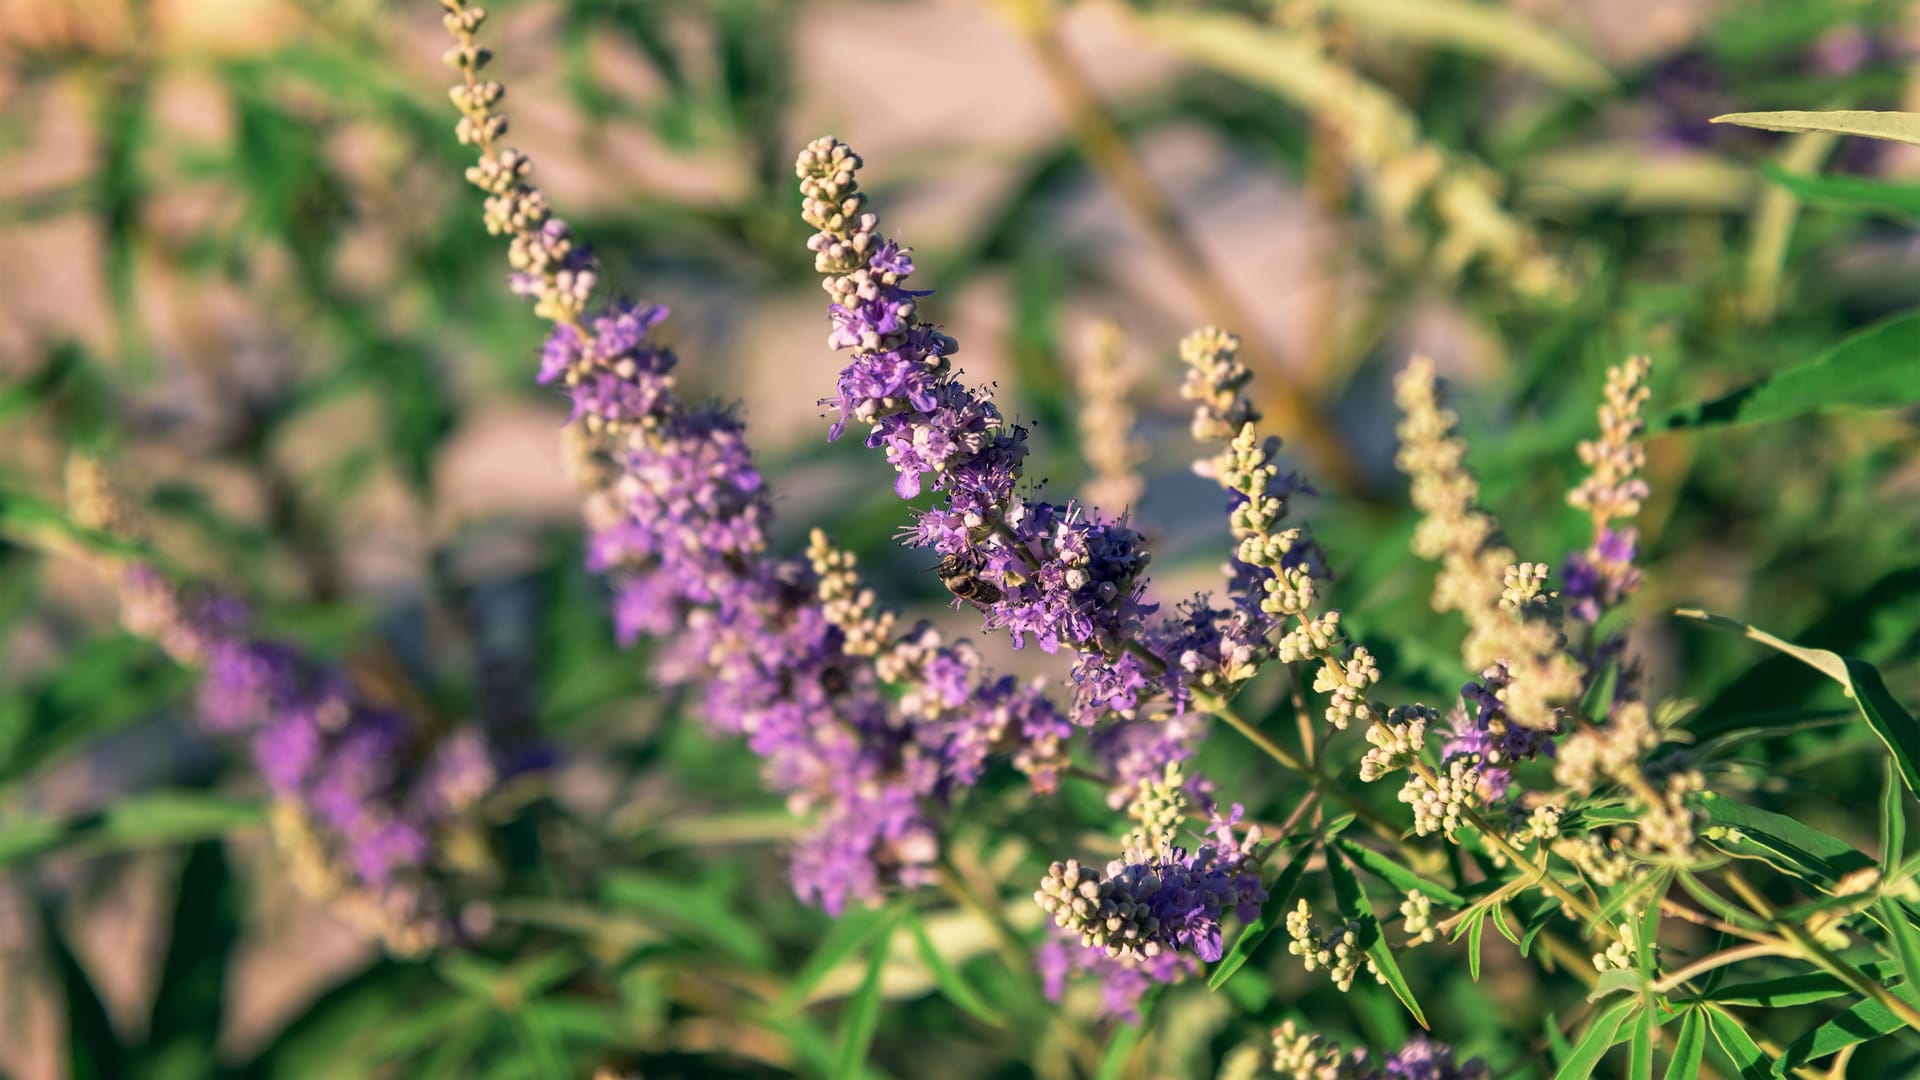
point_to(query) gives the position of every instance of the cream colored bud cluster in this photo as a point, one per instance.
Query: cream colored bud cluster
(1440, 805)
(845, 602)
(1615, 490)
(1106, 422)
(1474, 577)
(1336, 951)
(1214, 382)
(831, 201)
(1417, 911)
(1615, 752)
(1526, 588)
(1301, 1056)
(94, 500)
(540, 247)
(1397, 741)
(1159, 810)
(1347, 681)
(1413, 180)
(1083, 902)
(1603, 860)
(1620, 953)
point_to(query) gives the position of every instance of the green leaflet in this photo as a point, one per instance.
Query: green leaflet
(1876, 368)
(1279, 895)
(1891, 722)
(1897, 126)
(1599, 1037)
(1865, 1021)
(1355, 906)
(1400, 877)
(1793, 848)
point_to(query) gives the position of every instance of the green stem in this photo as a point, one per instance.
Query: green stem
(1821, 955)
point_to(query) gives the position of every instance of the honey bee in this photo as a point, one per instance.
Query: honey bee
(964, 581)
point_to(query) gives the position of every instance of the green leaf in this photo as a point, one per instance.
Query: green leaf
(1475, 928)
(948, 978)
(1892, 723)
(848, 934)
(1272, 913)
(1901, 200)
(185, 1022)
(1893, 822)
(1400, 877)
(1640, 1047)
(1876, 368)
(93, 1048)
(1732, 1036)
(1785, 843)
(1614, 982)
(1906, 940)
(699, 914)
(1689, 1046)
(863, 1009)
(1864, 1022)
(155, 819)
(1125, 1041)
(1497, 33)
(1594, 1043)
(1355, 907)
(1896, 126)
(1793, 989)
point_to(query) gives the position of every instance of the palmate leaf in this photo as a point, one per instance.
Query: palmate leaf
(1866, 1021)
(1877, 368)
(1600, 1036)
(1896, 126)
(1731, 1034)
(1885, 716)
(1355, 907)
(1689, 1046)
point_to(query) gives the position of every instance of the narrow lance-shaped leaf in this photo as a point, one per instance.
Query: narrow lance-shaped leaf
(1849, 192)
(1400, 877)
(1594, 1043)
(1272, 913)
(1895, 126)
(1893, 822)
(863, 1009)
(1892, 723)
(1800, 850)
(1732, 1036)
(1689, 1046)
(948, 978)
(1875, 368)
(848, 934)
(1355, 906)
(1864, 1022)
